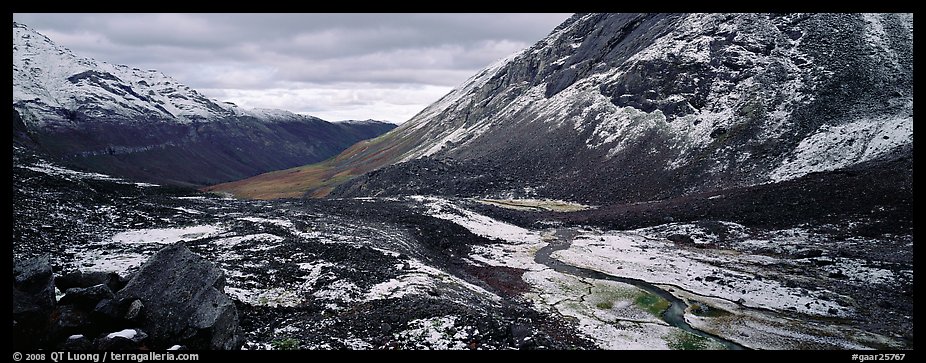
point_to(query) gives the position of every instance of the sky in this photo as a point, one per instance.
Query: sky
(334, 66)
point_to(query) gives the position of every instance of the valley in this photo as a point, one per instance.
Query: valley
(629, 181)
(422, 272)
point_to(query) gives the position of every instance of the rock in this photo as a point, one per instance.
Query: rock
(808, 253)
(86, 279)
(134, 312)
(681, 238)
(33, 302)
(184, 301)
(35, 279)
(107, 314)
(520, 335)
(77, 342)
(126, 339)
(86, 298)
(68, 320)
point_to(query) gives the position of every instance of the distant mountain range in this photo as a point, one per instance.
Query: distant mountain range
(613, 108)
(147, 126)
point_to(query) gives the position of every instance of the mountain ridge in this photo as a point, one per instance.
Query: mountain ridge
(634, 107)
(145, 125)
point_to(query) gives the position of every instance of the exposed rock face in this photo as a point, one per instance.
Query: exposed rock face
(33, 301)
(632, 107)
(148, 126)
(613, 108)
(184, 301)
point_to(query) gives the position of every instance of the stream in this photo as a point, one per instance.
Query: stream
(674, 315)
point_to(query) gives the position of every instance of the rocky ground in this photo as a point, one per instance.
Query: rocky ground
(435, 273)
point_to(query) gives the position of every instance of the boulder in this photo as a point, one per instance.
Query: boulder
(33, 302)
(86, 298)
(86, 279)
(76, 342)
(126, 339)
(69, 320)
(184, 301)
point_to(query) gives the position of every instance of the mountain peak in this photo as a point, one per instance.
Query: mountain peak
(143, 124)
(52, 85)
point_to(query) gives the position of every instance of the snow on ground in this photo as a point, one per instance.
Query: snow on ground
(121, 263)
(536, 204)
(126, 333)
(604, 311)
(273, 297)
(279, 222)
(699, 234)
(758, 329)
(860, 272)
(51, 169)
(437, 333)
(234, 241)
(476, 223)
(357, 344)
(421, 280)
(508, 255)
(834, 147)
(727, 281)
(167, 235)
(628, 254)
(188, 210)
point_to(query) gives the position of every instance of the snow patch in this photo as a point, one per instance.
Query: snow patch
(834, 147)
(478, 224)
(127, 334)
(437, 333)
(629, 254)
(167, 235)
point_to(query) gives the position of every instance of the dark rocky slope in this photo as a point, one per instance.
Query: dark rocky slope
(622, 108)
(613, 108)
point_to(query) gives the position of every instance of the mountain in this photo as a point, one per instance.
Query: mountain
(145, 125)
(616, 108)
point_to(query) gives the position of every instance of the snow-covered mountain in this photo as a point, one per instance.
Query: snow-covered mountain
(144, 124)
(632, 107)
(56, 86)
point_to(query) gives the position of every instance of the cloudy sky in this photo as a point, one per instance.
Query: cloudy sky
(334, 66)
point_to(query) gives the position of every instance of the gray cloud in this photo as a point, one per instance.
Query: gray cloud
(242, 54)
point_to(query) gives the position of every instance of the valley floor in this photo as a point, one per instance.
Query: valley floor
(424, 272)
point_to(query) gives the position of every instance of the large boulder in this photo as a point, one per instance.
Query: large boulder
(86, 297)
(86, 279)
(184, 301)
(33, 301)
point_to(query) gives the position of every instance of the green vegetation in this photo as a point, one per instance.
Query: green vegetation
(533, 205)
(653, 304)
(704, 310)
(605, 305)
(682, 340)
(319, 179)
(285, 344)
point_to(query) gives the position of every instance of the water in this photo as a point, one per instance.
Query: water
(674, 315)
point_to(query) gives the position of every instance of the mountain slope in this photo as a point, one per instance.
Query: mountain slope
(146, 125)
(632, 107)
